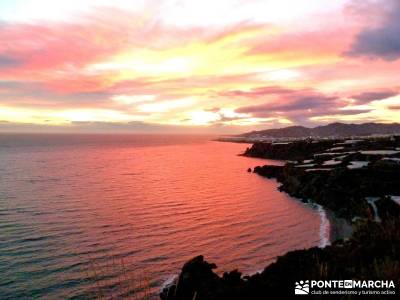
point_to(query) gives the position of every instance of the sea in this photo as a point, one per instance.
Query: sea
(86, 216)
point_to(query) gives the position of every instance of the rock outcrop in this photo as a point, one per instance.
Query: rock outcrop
(295, 150)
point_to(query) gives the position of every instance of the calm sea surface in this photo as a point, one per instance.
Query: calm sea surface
(126, 211)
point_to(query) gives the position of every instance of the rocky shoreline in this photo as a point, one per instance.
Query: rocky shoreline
(357, 182)
(341, 176)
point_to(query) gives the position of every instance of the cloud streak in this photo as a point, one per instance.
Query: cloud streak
(367, 97)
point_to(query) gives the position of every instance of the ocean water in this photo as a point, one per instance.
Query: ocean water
(83, 216)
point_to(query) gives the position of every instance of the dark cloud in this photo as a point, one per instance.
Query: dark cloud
(36, 94)
(224, 118)
(367, 97)
(347, 112)
(257, 92)
(382, 41)
(10, 84)
(297, 103)
(394, 107)
(8, 62)
(294, 104)
(302, 106)
(303, 116)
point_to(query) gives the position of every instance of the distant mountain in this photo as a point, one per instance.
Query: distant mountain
(330, 130)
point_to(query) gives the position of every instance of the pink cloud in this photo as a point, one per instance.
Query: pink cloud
(258, 92)
(319, 42)
(40, 47)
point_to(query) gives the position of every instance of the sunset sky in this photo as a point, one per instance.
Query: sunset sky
(197, 66)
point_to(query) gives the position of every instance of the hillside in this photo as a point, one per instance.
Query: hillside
(330, 130)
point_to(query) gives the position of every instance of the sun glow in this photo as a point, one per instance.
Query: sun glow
(132, 99)
(202, 117)
(164, 62)
(164, 106)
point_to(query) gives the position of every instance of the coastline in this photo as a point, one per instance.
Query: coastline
(325, 228)
(348, 249)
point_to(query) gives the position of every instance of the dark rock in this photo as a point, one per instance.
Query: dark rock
(269, 171)
(291, 151)
(196, 278)
(387, 208)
